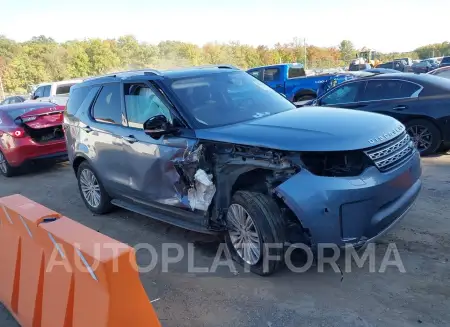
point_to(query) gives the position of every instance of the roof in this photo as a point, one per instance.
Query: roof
(173, 73)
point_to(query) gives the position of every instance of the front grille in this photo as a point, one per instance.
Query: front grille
(390, 154)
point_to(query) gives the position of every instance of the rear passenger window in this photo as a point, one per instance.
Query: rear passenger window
(47, 90)
(271, 74)
(64, 88)
(107, 108)
(386, 90)
(78, 96)
(294, 72)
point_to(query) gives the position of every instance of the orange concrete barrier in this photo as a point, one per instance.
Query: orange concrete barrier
(55, 272)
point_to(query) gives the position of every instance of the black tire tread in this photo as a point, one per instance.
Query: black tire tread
(272, 228)
(12, 171)
(437, 139)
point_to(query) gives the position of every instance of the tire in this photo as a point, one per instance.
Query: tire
(414, 126)
(304, 98)
(104, 203)
(5, 168)
(270, 229)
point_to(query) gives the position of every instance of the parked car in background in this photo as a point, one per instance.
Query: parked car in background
(445, 62)
(423, 67)
(354, 67)
(14, 99)
(408, 61)
(381, 70)
(290, 80)
(214, 150)
(398, 65)
(55, 92)
(441, 72)
(421, 102)
(30, 132)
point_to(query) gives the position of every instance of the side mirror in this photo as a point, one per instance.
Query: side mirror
(34, 97)
(158, 126)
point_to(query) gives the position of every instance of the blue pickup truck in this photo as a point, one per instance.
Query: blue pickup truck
(291, 80)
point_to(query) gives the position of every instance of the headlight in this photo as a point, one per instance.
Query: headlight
(336, 164)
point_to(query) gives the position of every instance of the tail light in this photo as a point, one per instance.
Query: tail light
(17, 133)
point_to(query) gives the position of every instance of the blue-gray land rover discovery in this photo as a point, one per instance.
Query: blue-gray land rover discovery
(212, 149)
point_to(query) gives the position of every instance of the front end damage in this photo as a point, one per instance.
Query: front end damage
(325, 197)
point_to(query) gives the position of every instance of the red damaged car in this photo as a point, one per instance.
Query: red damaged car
(30, 132)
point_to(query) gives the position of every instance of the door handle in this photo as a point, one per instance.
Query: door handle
(87, 129)
(279, 85)
(400, 108)
(130, 139)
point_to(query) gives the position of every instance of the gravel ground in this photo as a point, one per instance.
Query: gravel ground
(419, 297)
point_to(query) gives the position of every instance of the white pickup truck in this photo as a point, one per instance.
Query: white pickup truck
(56, 92)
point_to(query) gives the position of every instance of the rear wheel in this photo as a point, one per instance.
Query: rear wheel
(92, 191)
(5, 168)
(425, 135)
(256, 232)
(304, 98)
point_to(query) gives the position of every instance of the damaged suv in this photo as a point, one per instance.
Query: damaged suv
(213, 149)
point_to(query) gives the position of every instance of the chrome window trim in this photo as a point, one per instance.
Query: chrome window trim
(415, 95)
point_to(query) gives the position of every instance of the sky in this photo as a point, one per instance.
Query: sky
(383, 25)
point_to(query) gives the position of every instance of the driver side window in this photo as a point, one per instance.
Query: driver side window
(39, 93)
(340, 95)
(142, 103)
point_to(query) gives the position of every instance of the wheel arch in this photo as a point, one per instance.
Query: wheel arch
(429, 119)
(304, 92)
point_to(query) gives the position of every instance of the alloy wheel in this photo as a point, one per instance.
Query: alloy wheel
(90, 188)
(243, 234)
(421, 137)
(3, 164)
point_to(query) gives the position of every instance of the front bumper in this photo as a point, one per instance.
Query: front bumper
(352, 210)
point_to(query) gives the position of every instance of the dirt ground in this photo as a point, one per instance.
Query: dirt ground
(418, 297)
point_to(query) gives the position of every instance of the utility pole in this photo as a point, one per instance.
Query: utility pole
(304, 46)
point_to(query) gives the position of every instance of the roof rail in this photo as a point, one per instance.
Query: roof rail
(220, 66)
(127, 72)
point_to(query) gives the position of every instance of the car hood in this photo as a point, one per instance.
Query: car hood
(310, 129)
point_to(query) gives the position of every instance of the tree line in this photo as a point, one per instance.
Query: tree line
(42, 59)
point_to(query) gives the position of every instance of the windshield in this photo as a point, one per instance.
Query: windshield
(228, 98)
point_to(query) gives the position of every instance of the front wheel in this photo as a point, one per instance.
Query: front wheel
(92, 191)
(256, 232)
(425, 135)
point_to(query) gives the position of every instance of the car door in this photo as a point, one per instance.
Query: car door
(345, 95)
(105, 132)
(272, 77)
(38, 93)
(393, 97)
(152, 170)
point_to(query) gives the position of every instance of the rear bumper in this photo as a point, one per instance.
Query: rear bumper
(26, 150)
(352, 210)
